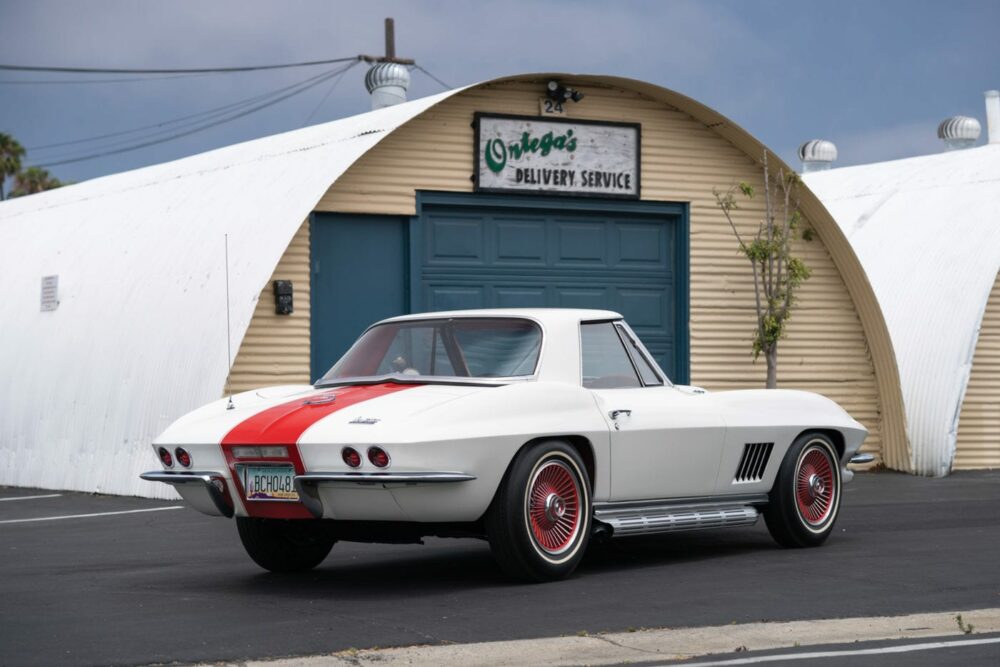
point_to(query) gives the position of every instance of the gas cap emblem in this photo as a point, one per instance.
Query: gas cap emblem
(322, 399)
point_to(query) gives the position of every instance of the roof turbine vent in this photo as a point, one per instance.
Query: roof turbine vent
(993, 116)
(817, 155)
(959, 132)
(387, 83)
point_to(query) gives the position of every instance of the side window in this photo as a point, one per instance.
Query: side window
(649, 376)
(604, 360)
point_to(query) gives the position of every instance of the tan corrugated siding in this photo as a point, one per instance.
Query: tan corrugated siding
(682, 160)
(978, 443)
(275, 349)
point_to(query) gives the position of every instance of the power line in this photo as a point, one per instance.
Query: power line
(206, 113)
(189, 70)
(85, 82)
(446, 86)
(200, 128)
(191, 120)
(328, 93)
(204, 121)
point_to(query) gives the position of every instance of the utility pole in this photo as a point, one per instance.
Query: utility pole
(390, 48)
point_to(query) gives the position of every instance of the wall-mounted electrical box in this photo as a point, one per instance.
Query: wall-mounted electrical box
(50, 293)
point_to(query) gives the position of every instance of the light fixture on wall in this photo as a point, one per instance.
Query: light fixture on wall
(283, 297)
(559, 92)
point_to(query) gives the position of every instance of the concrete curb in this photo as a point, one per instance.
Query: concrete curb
(660, 644)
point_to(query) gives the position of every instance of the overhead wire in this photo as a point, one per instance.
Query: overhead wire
(418, 67)
(195, 122)
(201, 115)
(46, 82)
(187, 125)
(201, 127)
(328, 93)
(179, 70)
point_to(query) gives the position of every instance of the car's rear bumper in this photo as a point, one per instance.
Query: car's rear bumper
(341, 495)
(309, 485)
(207, 492)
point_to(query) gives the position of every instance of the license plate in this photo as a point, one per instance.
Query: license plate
(268, 482)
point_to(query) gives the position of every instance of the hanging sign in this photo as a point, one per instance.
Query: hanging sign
(546, 155)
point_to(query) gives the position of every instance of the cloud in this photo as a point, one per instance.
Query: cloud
(686, 45)
(784, 72)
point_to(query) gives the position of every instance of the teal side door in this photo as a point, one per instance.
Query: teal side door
(359, 276)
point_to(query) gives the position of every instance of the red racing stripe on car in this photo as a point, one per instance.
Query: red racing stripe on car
(284, 424)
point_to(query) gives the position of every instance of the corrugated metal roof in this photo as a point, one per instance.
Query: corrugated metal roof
(140, 260)
(927, 231)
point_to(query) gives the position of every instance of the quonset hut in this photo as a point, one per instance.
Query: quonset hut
(927, 230)
(432, 204)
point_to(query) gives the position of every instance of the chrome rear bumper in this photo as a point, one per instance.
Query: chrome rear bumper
(206, 491)
(861, 459)
(307, 484)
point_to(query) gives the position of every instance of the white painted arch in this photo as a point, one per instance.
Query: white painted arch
(927, 231)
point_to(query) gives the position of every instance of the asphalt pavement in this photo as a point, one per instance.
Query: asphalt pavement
(136, 582)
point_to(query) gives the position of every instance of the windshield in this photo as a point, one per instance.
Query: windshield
(465, 348)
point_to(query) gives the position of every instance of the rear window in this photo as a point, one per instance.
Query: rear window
(462, 347)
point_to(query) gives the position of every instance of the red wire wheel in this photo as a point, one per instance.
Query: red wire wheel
(554, 507)
(815, 486)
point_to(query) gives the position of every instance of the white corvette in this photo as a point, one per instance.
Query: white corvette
(534, 429)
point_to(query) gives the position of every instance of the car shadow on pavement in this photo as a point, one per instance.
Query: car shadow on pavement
(447, 566)
(394, 574)
(673, 549)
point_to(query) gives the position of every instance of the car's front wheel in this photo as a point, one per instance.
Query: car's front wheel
(539, 523)
(805, 499)
(284, 546)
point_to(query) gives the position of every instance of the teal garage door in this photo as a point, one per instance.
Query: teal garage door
(495, 252)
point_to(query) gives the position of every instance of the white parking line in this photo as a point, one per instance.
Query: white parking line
(87, 516)
(906, 648)
(48, 495)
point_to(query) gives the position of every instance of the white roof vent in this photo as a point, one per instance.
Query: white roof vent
(993, 116)
(959, 132)
(387, 84)
(817, 155)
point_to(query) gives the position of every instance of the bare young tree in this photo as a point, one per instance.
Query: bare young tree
(777, 273)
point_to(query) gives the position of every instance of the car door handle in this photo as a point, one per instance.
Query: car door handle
(614, 414)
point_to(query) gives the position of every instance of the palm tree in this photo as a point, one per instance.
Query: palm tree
(11, 153)
(32, 180)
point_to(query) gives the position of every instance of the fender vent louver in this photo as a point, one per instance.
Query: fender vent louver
(755, 456)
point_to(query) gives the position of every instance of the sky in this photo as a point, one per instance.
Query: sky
(875, 78)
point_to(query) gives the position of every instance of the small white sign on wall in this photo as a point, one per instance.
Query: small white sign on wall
(554, 156)
(50, 293)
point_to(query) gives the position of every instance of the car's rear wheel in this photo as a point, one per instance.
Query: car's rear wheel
(805, 499)
(284, 546)
(539, 523)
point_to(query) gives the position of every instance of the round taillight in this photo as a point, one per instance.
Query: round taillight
(165, 457)
(351, 456)
(183, 457)
(378, 457)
